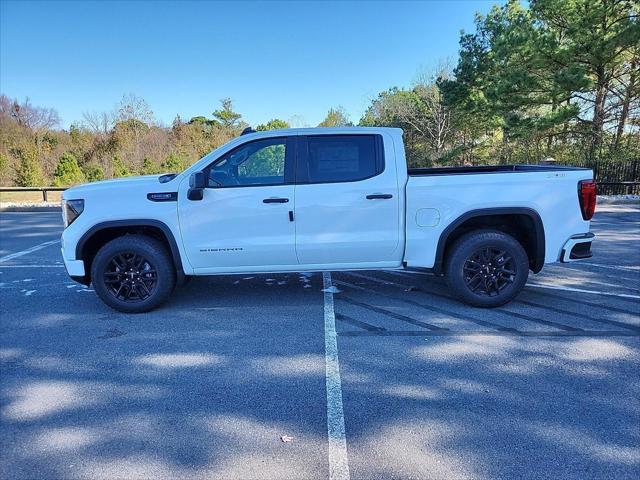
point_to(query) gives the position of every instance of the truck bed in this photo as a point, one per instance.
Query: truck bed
(422, 172)
(436, 197)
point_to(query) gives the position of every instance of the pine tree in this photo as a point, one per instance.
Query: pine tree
(29, 173)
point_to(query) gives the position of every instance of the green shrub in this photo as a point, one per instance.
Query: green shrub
(149, 167)
(119, 168)
(67, 171)
(93, 173)
(173, 164)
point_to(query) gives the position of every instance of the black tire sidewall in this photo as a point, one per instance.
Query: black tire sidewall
(465, 246)
(151, 249)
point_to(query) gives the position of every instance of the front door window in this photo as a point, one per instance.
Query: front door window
(258, 163)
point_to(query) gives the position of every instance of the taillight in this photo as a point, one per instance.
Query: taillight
(587, 196)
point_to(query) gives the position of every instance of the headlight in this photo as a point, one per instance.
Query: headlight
(71, 209)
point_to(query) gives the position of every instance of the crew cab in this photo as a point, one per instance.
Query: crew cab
(325, 199)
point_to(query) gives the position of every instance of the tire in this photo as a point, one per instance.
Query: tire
(133, 274)
(479, 274)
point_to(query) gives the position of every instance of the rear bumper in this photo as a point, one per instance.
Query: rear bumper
(578, 247)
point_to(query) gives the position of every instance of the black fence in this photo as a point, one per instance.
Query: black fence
(615, 177)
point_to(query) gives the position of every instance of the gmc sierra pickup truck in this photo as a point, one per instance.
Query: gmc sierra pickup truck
(325, 199)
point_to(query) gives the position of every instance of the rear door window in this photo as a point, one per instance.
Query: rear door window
(340, 158)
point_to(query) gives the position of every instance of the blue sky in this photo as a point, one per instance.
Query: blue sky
(274, 59)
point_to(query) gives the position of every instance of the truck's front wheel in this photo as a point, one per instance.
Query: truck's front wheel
(133, 274)
(486, 268)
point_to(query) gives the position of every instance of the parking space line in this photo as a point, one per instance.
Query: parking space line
(629, 268)
(605, 284)
(338, 460)
(11, 256)
(580, 290)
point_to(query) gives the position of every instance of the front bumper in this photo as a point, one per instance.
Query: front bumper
(578, 247)
(75, 269)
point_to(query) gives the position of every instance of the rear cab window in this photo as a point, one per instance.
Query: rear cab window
(339, 158)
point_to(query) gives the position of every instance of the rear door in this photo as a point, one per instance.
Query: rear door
(347, 210)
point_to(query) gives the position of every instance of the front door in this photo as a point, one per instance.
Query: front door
(243, 219)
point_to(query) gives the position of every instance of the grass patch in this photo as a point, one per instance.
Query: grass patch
(29, 197)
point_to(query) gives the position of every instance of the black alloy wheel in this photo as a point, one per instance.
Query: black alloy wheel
(488, 271)
(130, 277)
(133, 273)
(486, 268)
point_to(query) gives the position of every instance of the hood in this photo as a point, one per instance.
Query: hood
(146, 183)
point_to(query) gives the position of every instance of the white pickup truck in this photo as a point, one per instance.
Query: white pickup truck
(325, 199)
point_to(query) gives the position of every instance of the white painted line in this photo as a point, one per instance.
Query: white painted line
(31, 266)
(338, 460)
(629, 268)
(11, 256)
(409, 272)
(580, 290)
(605, 284)
(615, 275)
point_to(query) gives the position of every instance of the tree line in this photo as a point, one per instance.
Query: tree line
(559, 78)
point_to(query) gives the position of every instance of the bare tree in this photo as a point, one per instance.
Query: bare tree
(98, 122)
(423, 108)
(297, 121)
(28, 115)
(132, 107)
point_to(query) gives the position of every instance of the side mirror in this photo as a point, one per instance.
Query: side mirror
(197, 184)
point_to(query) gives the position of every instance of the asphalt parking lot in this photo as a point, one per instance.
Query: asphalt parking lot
(382, 376)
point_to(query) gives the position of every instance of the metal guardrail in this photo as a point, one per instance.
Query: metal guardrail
(45, 190)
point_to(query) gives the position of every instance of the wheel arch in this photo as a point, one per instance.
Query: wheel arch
(523, 223)
(101, 233)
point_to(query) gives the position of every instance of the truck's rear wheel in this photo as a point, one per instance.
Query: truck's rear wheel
(486, 268)
(133, 274)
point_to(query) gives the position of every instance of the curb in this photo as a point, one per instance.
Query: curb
(619, 201)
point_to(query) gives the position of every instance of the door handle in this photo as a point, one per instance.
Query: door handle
(275, 200)
(379, 196)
